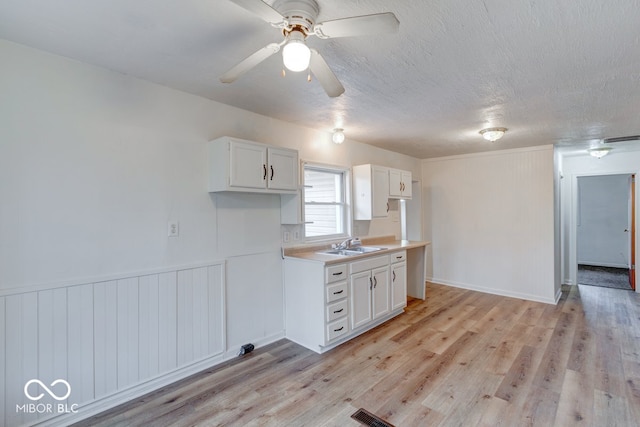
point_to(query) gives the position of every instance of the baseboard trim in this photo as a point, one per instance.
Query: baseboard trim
(500, 292)
(105, 403)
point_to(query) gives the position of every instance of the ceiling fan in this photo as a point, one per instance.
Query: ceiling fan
(297, 20)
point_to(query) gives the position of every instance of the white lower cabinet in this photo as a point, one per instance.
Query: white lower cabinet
(327, 305)
(369, 288)
(398, 280)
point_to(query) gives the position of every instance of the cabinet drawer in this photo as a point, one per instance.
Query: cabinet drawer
(398, 256)
(337, 310)
(337, 291)
(336, 273)
(337, 329)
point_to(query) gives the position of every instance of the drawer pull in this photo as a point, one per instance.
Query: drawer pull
(339, 292)
(399, 257)
(339, 329)
(338, 311)
(337, 274)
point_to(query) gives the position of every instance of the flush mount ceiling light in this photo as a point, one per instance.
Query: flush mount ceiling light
(493, 134)
(296, 55)
(599, 152)
(338, 136)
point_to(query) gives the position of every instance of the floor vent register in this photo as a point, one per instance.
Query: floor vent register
(367, 418)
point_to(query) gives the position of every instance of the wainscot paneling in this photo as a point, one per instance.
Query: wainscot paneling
(109, 340)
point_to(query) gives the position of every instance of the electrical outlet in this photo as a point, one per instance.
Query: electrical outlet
(296, 235)
(173, 229)
(286, 236)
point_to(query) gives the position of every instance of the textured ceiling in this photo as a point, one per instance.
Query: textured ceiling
(552, 72)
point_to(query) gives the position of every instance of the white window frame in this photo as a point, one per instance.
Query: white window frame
(345, 203)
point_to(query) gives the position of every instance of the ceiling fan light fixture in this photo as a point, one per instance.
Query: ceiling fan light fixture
(493, 134)
(296, 55)
(338, 136)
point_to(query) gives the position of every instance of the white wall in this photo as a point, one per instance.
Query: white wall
(576, 165)
(93, 165)
(603, 220)
(490, 218)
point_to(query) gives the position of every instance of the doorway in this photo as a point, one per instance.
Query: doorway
(605, 231)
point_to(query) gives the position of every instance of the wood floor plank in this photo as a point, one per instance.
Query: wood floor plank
(458, 358)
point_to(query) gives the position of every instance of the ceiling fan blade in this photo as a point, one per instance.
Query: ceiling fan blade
(260, 8)
(358, 26)
(325, 76)
(249, 62)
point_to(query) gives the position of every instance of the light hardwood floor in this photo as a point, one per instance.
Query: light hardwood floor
(460, 358)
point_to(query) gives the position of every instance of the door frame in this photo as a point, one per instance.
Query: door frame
(573, 235)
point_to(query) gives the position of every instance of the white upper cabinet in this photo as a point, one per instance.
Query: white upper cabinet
(239, 165)
(399, 184)
(370, 192)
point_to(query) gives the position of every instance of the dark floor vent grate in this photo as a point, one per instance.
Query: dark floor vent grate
(367, 418)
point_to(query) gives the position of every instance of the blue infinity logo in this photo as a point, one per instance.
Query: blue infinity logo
(52, 394)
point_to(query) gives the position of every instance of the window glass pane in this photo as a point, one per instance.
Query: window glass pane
(326, 220)
(322, 186)
(325, 207)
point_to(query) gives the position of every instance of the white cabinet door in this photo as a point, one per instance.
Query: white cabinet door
(395, 183)
(399, 184)
(380, 192)
(406, 185)
(398, 285)
(380, 294)
(283, 169)
(360, 292)
(248, 165)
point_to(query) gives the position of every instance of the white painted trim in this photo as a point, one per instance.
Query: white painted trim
(97, 279)
(493, 291)
(573, 216)
(496, 153)
(111, 401)
(231, 353)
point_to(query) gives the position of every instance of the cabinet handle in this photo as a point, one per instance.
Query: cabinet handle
(338, 311)
(387, 207)
(338, 292)
(337, 274)
(339, 329)
(271, 172)
(394, 276)
(370, 283)
(399, 257)
(375, 281)
(264, 168)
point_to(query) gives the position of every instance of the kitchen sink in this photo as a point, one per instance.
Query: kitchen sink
(358, 250)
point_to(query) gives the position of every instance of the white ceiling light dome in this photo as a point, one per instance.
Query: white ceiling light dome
(493, 134)
(296, 55)
(338, 135)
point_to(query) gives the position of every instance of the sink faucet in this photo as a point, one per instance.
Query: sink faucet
(347, 243)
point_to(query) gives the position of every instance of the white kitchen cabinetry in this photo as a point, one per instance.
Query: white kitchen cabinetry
(240, 165)
(369, 289)
(328, 305)
(399, 184)
(398, 280)
(370, 192)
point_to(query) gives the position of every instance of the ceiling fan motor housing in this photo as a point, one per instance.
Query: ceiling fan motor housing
(300, 14)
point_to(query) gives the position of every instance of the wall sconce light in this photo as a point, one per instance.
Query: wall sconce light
(493, 134)
(338, 136)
